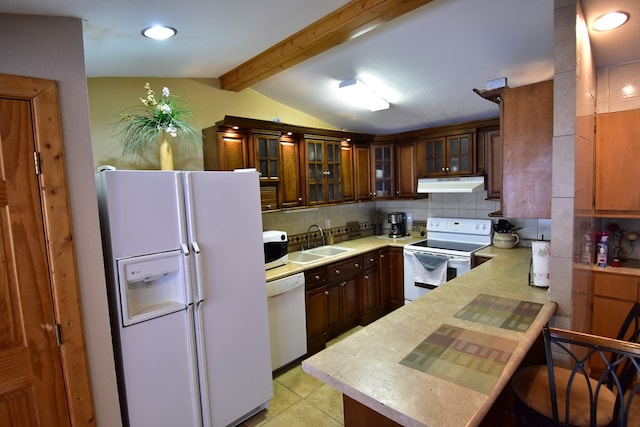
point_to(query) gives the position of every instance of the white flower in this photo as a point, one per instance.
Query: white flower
(165, 92)
(165, 108)
(172, 131)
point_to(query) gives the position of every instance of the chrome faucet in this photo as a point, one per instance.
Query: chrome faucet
(309, 235)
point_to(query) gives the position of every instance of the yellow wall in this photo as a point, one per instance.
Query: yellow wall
(109, 96)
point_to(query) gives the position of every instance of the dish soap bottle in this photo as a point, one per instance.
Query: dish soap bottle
(603, 250)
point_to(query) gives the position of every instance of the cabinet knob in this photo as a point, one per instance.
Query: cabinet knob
(366, 277)
(316, 277)
(326, 292)
(343, 284)
(269, 206)
(356, 265)
(337, 271)
(371, 260)
(299, 199)
(381, 256)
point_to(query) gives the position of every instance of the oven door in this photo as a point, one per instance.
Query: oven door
(414, 284)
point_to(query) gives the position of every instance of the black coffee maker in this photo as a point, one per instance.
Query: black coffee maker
(398, 221)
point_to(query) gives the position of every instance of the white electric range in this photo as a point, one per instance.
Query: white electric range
(444, 255)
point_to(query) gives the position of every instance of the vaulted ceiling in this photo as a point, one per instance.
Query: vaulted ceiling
(426, 55)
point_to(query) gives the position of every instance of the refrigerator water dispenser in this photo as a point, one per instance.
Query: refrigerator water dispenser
(151, 286)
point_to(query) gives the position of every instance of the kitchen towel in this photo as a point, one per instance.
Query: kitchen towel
(541, 255)
(429, 269)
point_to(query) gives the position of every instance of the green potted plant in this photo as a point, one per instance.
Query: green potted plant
(166, 117)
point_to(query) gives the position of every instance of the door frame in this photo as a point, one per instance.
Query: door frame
(56, 214)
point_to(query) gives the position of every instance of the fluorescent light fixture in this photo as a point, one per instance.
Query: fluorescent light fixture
(358, 93)
(610, 20)
(159, 32)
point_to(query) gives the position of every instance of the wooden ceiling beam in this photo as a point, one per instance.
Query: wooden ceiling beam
(345, 23)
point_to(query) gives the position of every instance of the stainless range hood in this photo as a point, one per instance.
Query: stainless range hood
(462, 184)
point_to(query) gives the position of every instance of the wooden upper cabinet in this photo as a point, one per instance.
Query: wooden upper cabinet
(267, 154)
(224, 150)
(446, 155)
(324, 170)
(616, 170)
(348, 173)
(527, 138)
(406, 176)
(382, 167)
(362, 172)
(489, 160)
(291, 183)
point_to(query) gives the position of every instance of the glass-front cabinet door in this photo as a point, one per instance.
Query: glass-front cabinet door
(267, 162)
(446, 155)
(324, 170)
(382, 164)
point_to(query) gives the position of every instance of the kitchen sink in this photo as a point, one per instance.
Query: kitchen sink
(328, 250)
(316, 254)
(303, 257)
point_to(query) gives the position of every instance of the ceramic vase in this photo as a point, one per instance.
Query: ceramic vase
(166, 154)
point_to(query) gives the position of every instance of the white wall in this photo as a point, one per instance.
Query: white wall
(52, 48)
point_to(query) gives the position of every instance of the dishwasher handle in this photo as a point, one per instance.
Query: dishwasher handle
(285, 284)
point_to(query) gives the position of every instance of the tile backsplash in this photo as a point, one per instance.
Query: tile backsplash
(333, 219)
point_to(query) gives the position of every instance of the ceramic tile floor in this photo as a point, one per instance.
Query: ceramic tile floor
(301, 400)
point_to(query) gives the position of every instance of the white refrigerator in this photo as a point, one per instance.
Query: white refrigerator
(187, 295)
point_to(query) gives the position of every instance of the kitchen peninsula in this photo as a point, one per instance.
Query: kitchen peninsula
(443, 359)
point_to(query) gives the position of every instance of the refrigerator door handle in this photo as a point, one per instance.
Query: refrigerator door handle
(185, 249)
(196, 247)
(202, 364)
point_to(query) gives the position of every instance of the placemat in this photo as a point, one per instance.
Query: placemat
(471, 359)
(505, 313)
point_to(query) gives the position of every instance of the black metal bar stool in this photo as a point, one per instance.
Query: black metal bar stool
(563, 394)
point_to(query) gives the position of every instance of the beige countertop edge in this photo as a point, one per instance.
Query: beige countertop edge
(360, 246)
(363, 365)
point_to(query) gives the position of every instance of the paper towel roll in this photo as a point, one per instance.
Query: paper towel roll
(541, 254)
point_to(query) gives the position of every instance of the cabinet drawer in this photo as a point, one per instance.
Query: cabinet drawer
(314, 278)
(339, 269)
(616, 286)
(370, 259)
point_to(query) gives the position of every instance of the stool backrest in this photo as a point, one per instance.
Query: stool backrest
(622, 363)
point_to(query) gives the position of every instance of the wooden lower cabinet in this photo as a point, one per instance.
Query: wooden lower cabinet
(369, 289)
(351, 292)
(316, 304)
(613, 296)
(342, 288)
(396, 278)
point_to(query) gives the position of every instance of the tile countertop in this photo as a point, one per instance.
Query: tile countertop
(366, 366)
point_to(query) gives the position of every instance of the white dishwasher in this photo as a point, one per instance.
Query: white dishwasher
(287, 319)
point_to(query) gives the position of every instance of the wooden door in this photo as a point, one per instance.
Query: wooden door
(362, 173)
(317, 320)
(396, 278)
(347, 168)
(291, 181)
(406, 181)
(617, 172)
(43, 371)
(527, 145)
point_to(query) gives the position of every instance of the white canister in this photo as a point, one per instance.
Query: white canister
(540, 257)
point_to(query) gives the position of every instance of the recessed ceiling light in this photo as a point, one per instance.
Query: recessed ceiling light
(159, 32)
(610, 20)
